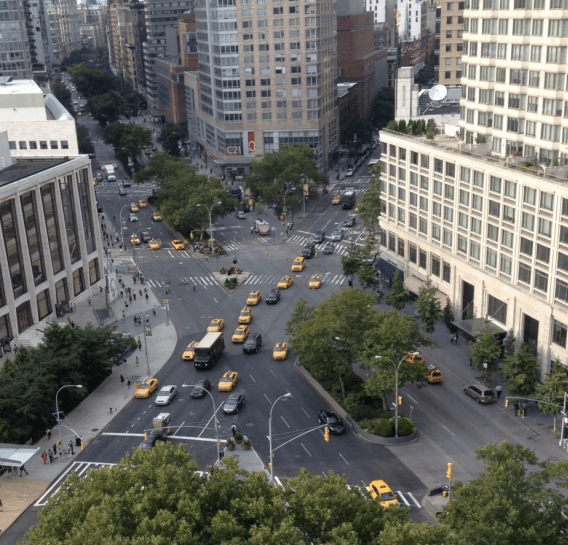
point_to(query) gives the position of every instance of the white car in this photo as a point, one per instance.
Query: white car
(337, 234)
(166, 394)
(133, 217)
(349, 172)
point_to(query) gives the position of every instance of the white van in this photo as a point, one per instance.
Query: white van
(373, 162)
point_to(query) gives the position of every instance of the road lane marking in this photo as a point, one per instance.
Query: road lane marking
(283, 420)
(416, 502)
(448, 430)
(400, 495)
(412, 399)
(304, 446)
(341, 456)
(305, 412)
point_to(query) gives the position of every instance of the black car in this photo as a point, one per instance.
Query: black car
(309, 250)
(126, 183)
(253, 343)
(273, 296)
(199, 388)
(349, 222)
(153, 436)
(328, 248)
(319, 237)
(234, 403)
(334, 423)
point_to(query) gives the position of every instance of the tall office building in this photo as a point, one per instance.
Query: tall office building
(15, 59)
(267, 78)
(485, 216)
(450, 42)
(64, 25)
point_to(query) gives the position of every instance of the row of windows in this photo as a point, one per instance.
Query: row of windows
(43, 144)
(516, 101)
(532, 78)
(515, 4)
(515, 52)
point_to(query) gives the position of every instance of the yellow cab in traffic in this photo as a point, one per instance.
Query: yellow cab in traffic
(382, 492)
(240, 335)
(254, 298)
(178, 244)
(216, 324)
(245, 316)
(155, 244)
(280, 351)
(189, 352)
(285, 282)
(299, 264)
(315, 281)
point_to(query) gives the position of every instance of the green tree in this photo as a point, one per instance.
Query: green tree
(510, 343)
(521, 371)
(61, 93)
(90, 82)
(276, 172)
(128, 140)
(398, 295)
(106, 108)
(358, 261)
(428, 307)
(392, 336)
(517, 500)
(171, 135)
(157, 497)
(370, 203)
(84, 140)
(485, 349)
(331, 336)
(551, 391)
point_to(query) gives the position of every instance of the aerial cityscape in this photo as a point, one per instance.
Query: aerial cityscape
(284, 271)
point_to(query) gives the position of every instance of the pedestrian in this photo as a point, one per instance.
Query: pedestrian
(44, 457)
(50, 454)
(89, 301)
(16, 349)
(194, 288)
(517, 407)
(123, 315)
(137, 361)
(54, 449)
(1, 506)
(23, 470)
(71, 448)
(154, 310)
(135, 320)
(130, 298)
(111, 410)
(457, 336)
(72, 324)
(470, 363)
(147, 297)
(139, 343)
(498, 389)
(121, 378)
(128, 383)
(71, 306)
(48, 433)
(525, 408)
(234, 430)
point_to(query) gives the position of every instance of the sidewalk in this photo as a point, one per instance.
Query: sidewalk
(90, 418)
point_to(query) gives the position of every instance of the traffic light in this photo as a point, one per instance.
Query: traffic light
(449, 471)
(399, 400)
(506, 402)
(326, 434)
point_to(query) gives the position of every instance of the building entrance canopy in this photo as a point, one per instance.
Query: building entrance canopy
(472, 326)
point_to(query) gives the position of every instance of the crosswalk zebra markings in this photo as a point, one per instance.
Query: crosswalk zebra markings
(402, 497)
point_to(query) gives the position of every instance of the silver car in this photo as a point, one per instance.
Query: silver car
(133, 217)
(337, 234)
(166, 395)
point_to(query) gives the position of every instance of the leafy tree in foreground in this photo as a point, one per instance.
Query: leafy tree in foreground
(331, 336)
(428, 307)
(369, 208)
(521, 371)
(156, 497)
(485, 349)
(398, 295)
(358, 261)
(516, 501)
(551, 391)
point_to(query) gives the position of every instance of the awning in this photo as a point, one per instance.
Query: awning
(388, 269)
(414, 284)
(15, 455)
(472, 326)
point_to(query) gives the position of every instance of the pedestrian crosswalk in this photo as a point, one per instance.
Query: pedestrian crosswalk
(360, 180)
(206, 282)
(340, 248)
(240, 244)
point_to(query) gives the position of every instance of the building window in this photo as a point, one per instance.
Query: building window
(506, 265)
(561, 291)
(436, 266)
(474, 250)
(526, 246)
(446, 272)
(559, 331)
(462, 244)
(476, 226)
(43, 304)
(436, 231)
(493, 233)
(546, 201)
(544, 227)
(422, 259)
(497, 309)
(491, 260)
(506, 238)
(412, 253)
(524, 273)
(540, 280)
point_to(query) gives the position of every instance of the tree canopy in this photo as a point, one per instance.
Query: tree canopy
(275, 172)
(171, 135)
(90, 82)
(428, 306)
(30, 380)
(485, 349)
(515, 501)
(398, 295)
(359, 261)
(521, 371)
(157, 497)
(370, 204)
(127, 139)
(106, 108)
(551, 391)
(180, 190)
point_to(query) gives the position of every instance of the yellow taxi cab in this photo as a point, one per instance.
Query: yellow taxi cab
(254, 298)
(156, 216)
(142, 203)
(134, 208)
(134, 239)
(336, 199)
(434, 375)
(414, 358)
(280, 351)
(245, 316)
(145, 388)
(299, 264)
(147, 151)
(285, 282)
(227, 381)
(382, 492)
(178, 244)
(240, 335)
(189, 352)
(155, 244)
(216, 324)
(315, 281)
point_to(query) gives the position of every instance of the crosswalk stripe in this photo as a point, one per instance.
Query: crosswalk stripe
(400, 496)
(416, 502)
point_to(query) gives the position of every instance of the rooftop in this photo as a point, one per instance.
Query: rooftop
(23, 169)
(10, 86)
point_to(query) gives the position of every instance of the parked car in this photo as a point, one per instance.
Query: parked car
(480, 393)
(253, 343)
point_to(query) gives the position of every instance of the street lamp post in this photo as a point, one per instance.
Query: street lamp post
(215, 419)
(146, 327)
(57, 406)
(211, 222)
(396, 369)
(270, 435)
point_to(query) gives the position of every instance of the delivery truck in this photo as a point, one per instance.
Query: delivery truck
(209, 350)
(111, 176)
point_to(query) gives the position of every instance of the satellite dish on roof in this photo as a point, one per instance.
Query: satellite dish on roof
(438, 92)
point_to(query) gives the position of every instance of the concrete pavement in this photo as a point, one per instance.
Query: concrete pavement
(90, 418)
